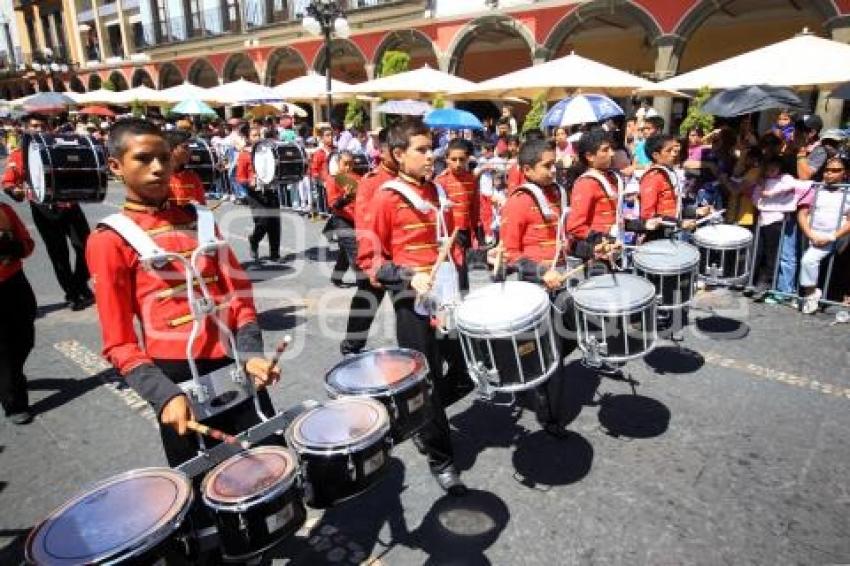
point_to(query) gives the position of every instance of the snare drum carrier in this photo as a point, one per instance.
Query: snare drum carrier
(64, 168)
(441, 302)
(204, 161)
(614, 203)
(278, 162)
(549, 214)
(212, 393)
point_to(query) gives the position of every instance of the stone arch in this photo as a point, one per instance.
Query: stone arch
(510, 38)
(617, 33)
(347, 62)
(142, 78)
(413, 42)
(284, 64)
(76, 84)
(169, 75)
(239, 66)
(713, 31)
(118, 80)
(202, 73)
(95, 82)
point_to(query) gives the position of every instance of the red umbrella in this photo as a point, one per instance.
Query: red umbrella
(97, 111)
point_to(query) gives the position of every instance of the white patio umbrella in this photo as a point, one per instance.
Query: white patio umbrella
(99, 96)
(559, 79)
(242, 92)
(185, 91)
(142, 94)
(309, 88)
(419, 83)
(804, 61)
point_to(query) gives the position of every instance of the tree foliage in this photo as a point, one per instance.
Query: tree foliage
(393, 63)
(534, 118)
(696, 118)
(354, 113)
(108, 85)
(438, 102)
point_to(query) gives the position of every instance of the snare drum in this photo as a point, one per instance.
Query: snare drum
(204, 161)
(671, 266)
(279, 162)
(507, 337)
(64, 168)
(724, 253)
(135, 516)
(397, 377)
(255, 500)
(343, 446)
(615, 317)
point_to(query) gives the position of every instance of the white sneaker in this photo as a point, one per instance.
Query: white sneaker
(811, 303)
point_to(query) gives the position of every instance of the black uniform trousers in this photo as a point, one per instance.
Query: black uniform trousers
(265, 211)
(17, 336)
(364, 306)
(414, 331)
(346, 256)
(55, 225)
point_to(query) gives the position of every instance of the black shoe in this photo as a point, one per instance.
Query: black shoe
(450, 481)
(275, 258)
(338, 282)
(81, 303)
(749, 291)
(22, 418)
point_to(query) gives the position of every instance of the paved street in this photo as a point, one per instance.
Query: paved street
(733, 450)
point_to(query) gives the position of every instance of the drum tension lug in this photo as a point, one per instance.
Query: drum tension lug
(352, 469)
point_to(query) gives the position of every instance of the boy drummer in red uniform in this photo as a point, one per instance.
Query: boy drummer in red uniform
(405, 227)
(186, 185)
(128, 291)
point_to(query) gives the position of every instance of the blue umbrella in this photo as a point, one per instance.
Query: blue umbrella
(453, 119)
(581, 109)
(194, 107)
(749, 99)
(405, 107)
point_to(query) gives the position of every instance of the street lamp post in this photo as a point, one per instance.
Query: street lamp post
(326, 17)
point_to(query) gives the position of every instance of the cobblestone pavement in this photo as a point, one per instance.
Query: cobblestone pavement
(732, 449)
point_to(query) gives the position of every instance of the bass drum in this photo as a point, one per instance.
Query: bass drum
(204, 161)
(279, 162)
(64, 168)
(360, 167)
(133, 517)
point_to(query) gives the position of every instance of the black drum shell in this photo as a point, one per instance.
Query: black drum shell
(244, 534)
(672, 295)
(637, 339)
(506, 359)
(204, 161)
(326, 477)
(290, 160)
(405, 419)
(733, 263)
(75, 171)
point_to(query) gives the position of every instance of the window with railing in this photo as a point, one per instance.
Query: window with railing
(203, 23)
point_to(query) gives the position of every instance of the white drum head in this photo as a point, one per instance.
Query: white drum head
(265, 163)
(35, 168)
(723, 236)
(613, 294)
(345, 423)
(502, 307)
(377, 371)
(117, 519)
(666, 256)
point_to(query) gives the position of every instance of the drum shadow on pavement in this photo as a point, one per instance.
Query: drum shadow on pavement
(716, 327)
(672, 359)
(633, 416)
(542, 460)
(66, 389)
(503, 430)
(13, 552)
(574, 389)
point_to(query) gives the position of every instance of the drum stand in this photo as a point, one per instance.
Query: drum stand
(593, 359)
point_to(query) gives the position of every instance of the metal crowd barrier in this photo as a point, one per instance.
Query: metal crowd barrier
(800, 246)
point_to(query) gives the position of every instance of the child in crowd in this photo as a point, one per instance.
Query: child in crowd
(783, 128)
(776, 197)
(824, 217)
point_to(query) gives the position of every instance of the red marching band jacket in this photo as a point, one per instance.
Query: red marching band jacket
(658, 194)
(127, 290)
(10, 222)
(364, 213)
(528, 230)
(463, 193)
(406, 236)
(186, 187)
(593, 207)
(13, 175)
(337, 192)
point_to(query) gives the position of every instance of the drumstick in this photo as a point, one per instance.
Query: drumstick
(713, 215)
(573, 271)
(441, 257)
(279, 351)
(497, 264)
(217, 435)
